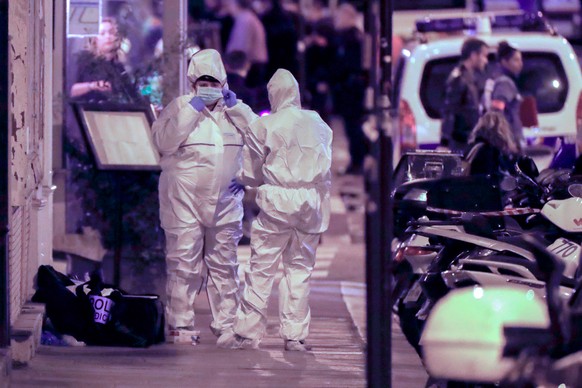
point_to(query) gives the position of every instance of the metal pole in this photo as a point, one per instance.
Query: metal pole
(118, 250)
(385, 175)
(378, 209)
(4, 226)
(302, 75)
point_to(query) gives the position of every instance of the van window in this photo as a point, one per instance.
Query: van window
(432, 86)
(543, 77)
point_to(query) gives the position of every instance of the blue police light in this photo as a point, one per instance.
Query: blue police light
(524, 22)
(521, 21)
(445, 25)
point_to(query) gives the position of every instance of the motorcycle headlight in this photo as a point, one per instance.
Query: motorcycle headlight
(416, 195)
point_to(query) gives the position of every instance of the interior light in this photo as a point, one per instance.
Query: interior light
(556, 84)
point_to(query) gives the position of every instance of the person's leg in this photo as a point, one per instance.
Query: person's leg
(298, 263)
(223, 283)
(268, 240)
(358, 145)
(185, 274)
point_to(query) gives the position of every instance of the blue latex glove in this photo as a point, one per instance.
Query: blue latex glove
(229, 98)
(235, 187)
(197, 103)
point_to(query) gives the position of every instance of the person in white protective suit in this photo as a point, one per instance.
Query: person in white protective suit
(287, 154)
(201, 148)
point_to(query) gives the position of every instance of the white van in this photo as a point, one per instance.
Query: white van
(551, 74)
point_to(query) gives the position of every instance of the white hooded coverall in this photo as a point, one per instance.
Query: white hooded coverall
(287, 154)
(200, 155)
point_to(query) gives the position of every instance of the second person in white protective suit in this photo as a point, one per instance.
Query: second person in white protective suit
(200, 147)
(287, 154)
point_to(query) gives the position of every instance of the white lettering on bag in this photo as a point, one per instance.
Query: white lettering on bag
(101, 308)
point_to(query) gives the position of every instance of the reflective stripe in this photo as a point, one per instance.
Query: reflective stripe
(301, 185)
(208, 144)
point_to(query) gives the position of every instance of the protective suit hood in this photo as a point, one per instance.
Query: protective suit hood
(283, 91)
(207, 62)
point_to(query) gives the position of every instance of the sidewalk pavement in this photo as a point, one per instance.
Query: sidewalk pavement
(337, 333)
(337, 358)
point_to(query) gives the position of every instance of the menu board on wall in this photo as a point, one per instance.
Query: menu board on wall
(119, 136)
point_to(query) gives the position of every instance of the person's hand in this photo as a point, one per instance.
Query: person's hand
(235, 187)
(197, 103)
(229, 98)
(100, 86)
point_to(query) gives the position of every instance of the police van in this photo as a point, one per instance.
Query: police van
(551, 76)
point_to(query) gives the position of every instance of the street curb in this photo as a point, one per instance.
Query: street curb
(354, 296)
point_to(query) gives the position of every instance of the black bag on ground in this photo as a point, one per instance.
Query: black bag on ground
(112, 318)
(68, 314)
(143, 315)
(133, 320)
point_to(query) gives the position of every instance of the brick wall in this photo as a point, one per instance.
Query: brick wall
(18, 241)
(26, 57)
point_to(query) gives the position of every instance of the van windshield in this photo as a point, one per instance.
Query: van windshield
(542, 77)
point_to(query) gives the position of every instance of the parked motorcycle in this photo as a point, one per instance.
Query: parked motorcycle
(414, 175)
(420, 171)
(506, 336)
(484, 249)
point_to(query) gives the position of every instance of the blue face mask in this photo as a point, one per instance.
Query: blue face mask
(209, 95)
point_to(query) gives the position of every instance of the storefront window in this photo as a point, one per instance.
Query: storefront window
(113, 79)
(114, 51)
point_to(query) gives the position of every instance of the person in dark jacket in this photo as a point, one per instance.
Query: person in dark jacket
(493, 148)
(462, 95)
(237, 67)
(349, 83)
(282, 37)
(505, 96)
(319, 62)
(100, 74)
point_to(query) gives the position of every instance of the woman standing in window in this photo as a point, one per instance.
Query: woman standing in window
(101, 74)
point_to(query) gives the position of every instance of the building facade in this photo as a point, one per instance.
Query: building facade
(27, 121)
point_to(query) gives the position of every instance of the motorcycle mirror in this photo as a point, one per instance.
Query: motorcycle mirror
(508, 183)
(575, 190)
(523, 176)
